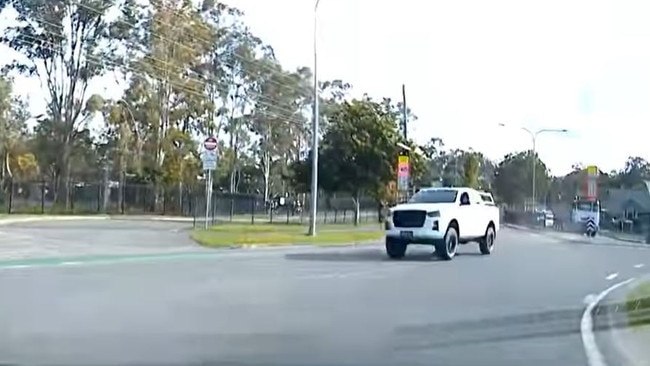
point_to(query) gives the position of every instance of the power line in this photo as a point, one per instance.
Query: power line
(261, 99)
(184, 46)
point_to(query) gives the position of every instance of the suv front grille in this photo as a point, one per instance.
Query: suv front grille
(411, 218)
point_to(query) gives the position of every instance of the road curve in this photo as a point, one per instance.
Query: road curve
(305, 306)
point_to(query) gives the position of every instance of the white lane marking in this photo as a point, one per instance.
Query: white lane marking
(323, 276)
(594, 356)
(589, 299)
(17, 266)
(640, 265)
(71, 263)
(611, 276)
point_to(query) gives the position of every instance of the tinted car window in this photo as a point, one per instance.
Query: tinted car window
(434, 196)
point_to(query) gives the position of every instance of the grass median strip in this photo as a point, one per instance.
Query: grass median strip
(637, 304)
(229, 235)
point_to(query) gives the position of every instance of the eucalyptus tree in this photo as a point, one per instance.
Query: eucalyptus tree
(12, 125)
(279, 125)
(64, 43)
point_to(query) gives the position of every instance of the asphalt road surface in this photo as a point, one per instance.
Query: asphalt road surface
(301, 306)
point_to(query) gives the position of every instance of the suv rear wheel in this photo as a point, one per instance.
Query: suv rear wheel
(486, 244)
(395, 248)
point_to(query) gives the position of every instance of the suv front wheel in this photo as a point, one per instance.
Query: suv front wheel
(447, 249)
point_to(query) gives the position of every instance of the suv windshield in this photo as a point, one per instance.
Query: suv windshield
(435, 196)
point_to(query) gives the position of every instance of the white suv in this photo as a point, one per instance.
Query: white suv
(444, 218)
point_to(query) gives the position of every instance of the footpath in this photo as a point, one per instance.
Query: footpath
(603, 237)
(632, 238)
(19, 218)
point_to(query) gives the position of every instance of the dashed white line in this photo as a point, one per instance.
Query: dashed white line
(640, 265)
(339, 275)
(70, 263)
(611, 276)
(594, 356)
(17, 266)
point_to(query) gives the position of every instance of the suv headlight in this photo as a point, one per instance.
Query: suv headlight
(433, 214)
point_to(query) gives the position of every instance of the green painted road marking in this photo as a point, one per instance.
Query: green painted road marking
(102, 259)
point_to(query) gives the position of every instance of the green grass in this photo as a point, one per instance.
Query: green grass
(637, 304)
(229, 235)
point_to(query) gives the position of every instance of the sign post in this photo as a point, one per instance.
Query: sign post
(592, 182)
(209, 160)
(403, 172)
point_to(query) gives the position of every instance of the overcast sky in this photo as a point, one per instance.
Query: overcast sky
(470, 65)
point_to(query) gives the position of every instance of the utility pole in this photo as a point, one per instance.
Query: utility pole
(533, 136)
(406, 152)
(313, 215)
(404, 113)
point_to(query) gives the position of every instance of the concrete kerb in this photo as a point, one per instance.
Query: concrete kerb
(522, 228)
(8, 220)
(620, 238)
(364, 243)
(19, 220)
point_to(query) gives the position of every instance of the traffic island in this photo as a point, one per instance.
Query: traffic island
(630, 327)
(637, 305)
(241, 235)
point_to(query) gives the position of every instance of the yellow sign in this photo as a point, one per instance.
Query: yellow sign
(592, 171)
(402, 159)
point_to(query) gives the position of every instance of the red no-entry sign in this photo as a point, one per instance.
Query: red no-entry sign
(210, 143)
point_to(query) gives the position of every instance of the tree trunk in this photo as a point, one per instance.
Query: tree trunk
(357, 210)
(63, 186)
(267, 175)
(106, 191)
(120, 192)
(180, 197)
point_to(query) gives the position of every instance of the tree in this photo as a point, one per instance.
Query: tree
(471, 171)
(359, 150)
(196, 69)
(513, 178)
(278, 136)
(13, 116)
(635, 171)
(167, 43)
(61, 41)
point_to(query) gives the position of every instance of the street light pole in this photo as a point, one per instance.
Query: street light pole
(533, 136)
(314, 151)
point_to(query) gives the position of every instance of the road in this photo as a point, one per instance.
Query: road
(299, 306)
